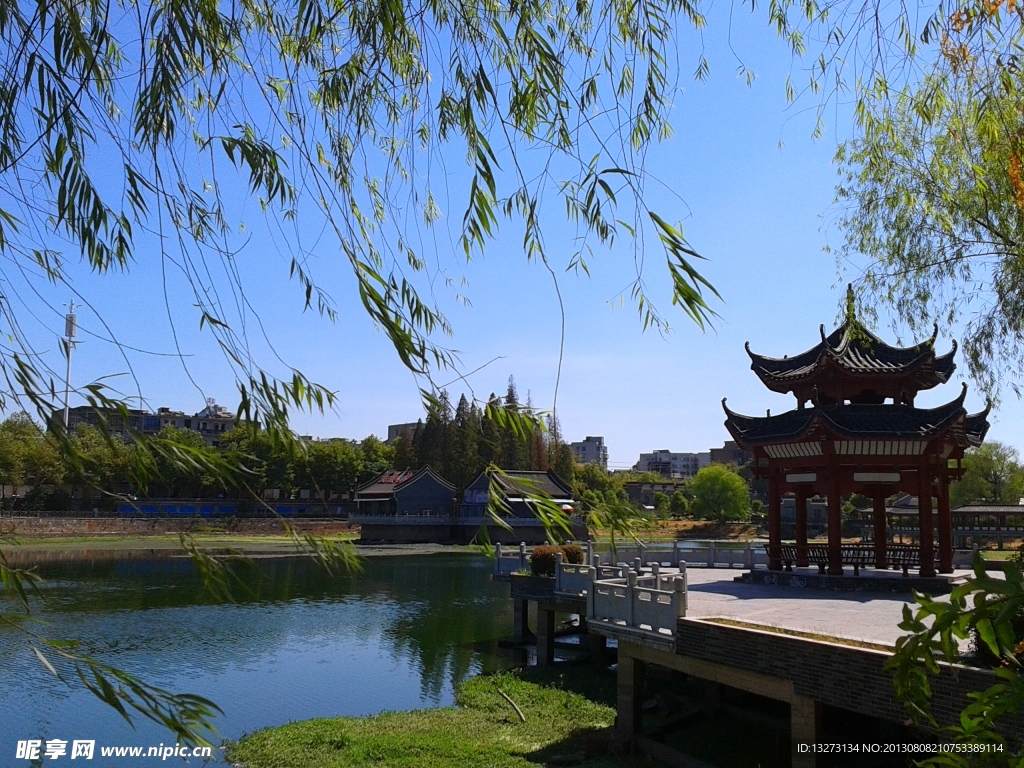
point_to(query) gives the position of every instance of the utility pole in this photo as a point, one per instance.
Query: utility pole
(70, 331)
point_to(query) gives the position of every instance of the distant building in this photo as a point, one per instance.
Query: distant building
(672, 465)
(395, 431)
(138, 420)
(519, 491)
(591, 451)
(730, 453)
(408, 506)
(176, 419)
(213, 421)
(643, 493)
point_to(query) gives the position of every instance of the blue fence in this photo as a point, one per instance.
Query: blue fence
(231, 509)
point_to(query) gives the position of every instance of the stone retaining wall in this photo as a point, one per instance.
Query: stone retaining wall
(839, 675)
(87, 526)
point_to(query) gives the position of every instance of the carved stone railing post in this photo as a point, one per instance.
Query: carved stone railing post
(630, 591)
(681, 594)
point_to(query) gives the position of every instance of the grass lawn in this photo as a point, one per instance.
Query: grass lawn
(561, 727)
(999, 554)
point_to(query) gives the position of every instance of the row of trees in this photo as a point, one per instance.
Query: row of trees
(716, 492)
(460, 443)
(101, 467)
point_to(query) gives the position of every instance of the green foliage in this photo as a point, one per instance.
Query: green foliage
(460, 445)
(542, 558)
(992, 473)
(592, 477)
(719, 494)
(560, 726)
(932, 199)
(104, 469)
(989, 609)
(661, 505)
(679, 505)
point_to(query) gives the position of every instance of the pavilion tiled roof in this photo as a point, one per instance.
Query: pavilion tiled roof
(388, 482)
(521, 484)
(858, 421)
(856, 350)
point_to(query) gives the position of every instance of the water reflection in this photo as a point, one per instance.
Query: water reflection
(299, 644)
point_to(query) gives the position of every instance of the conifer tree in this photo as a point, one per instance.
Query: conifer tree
(465, 458)
(434, 447)
(560, 456)
(405, 451)
(490, 443)
(513, 447)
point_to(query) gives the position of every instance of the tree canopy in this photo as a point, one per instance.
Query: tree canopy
(992, 473)
(932, 196)
(719, 494)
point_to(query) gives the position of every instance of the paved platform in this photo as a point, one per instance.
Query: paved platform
(869, 580)
(866, 616)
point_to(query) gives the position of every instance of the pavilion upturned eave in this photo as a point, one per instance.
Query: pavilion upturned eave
(858, 359)
(842, 424)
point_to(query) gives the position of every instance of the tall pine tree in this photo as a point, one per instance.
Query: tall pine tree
(464, 455)
(513, 447)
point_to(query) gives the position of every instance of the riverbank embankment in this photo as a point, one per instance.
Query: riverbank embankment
(97, 527)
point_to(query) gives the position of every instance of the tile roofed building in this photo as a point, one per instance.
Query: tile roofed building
(851, 440)
(852, 363)
(520, 489)
(526, 484)
(420, 492)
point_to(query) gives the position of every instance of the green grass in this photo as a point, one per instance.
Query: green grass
(998, 554)
(562, 727)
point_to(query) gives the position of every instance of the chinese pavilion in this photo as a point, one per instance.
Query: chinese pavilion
(855, 430)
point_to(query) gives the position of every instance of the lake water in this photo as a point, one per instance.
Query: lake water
(398, 635)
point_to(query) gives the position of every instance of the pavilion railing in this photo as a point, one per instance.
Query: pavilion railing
(709, 554)
(508, 560)
(652, 603)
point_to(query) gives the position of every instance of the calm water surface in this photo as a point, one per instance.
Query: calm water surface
(304, 644)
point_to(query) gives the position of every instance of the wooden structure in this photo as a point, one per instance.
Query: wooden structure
(856, 430)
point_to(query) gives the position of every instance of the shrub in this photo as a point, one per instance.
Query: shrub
(542, 559)
(573, 553)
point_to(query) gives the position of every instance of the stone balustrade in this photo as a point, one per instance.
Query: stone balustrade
(651, 602)
(709, 554)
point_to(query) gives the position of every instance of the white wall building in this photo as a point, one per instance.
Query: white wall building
(591, 451)
(675, 465)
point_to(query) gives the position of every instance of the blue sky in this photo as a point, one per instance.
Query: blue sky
(753, 207)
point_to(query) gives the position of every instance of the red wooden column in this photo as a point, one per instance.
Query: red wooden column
(924, 520)
(835, 519)
(801, 526)
(945, 527)
(774, 525)
(881, 534)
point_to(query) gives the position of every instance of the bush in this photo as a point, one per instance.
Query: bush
(542, 559)
(573, 553)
